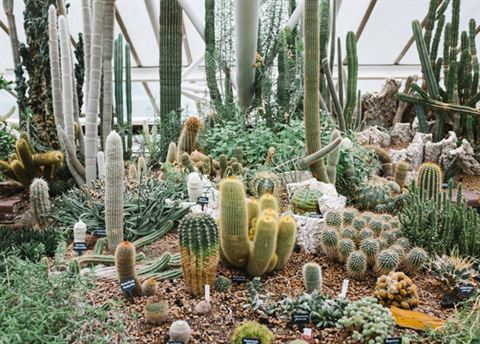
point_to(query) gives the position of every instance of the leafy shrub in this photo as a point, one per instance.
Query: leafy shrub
(52, 308)
(7, 142)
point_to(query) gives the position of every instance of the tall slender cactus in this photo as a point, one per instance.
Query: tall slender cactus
(93, 96)
(87, 39)
(312, 75)
(128, 96)
(107, 52)
(55, 66)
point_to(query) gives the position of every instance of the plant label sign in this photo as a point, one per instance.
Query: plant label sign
(100, 232)
(316, 216)
(393, 340)
(251, 341)
(466, 290)
(343, 293)
(239, 279)
(300, 318)
(174, 342)
(79, 247)
(128, 286)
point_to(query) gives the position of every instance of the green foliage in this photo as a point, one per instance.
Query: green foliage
(7, 142)
(252, 330)
(57, 303)
(441, 226)
(367, 321)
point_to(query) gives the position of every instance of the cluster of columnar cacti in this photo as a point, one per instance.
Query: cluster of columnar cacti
(312, 277)
(367, 240)
(271, 237)
(25, 165)
(124, 121)
(396, 289)
(114, 190)
(305, 200)
(199, 248)
(156, 312)
(125, 265)
(264, 182)
(188, 140)
(429, 181)
(455, 102)
(380, 195)
(40, 201)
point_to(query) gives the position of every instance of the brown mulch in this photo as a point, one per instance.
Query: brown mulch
(469, 182)
(228, 311)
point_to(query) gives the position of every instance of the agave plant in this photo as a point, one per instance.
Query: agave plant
(453, 271)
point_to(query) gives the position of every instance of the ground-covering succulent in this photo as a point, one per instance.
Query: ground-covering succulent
(253, 330)
(396, 289)
(367, 321)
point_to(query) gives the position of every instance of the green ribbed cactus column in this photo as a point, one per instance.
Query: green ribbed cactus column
(264, 245)
(429, 181)
(170, 71)
(118, 66)
(199, 249)
(40, 201)
(114, 190)
(233, 222)
(312, 79)
(333, 157)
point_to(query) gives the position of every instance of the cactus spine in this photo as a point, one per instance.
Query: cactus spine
(312, 80)
(429, 181)
(125, 263)
(114, 190)
(312, 277)
(199, 249)
(189, 136)
(40, 201)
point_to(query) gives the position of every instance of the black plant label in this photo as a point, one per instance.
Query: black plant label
(316, 216)
(393, 340)
(100, 232)
(239, 279)
(466, 290)
(128, 286)
(79, 247)
(300, 318)
(202, 200)
(174, 342)
(251, 341)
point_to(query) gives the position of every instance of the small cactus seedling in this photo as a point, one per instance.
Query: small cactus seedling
(149, 287)
(222, 284)
(312, 277)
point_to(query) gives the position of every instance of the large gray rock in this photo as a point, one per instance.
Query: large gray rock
(401, 134)
(373, 136)
(380, 107)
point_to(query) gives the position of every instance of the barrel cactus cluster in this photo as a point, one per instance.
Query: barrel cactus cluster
(380, 195)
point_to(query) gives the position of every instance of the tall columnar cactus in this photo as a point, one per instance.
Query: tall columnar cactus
(429, 181)
(40, 201)
(333, 157)
(125, 263)
(233, 222)
(189, 136)
(170, 71)
(312, 277)
(401, 173)
(107, 55)
(287, 234)
(352, 65)
(101, 164)
(114, 190)
(199, 248)
(264, 245)
(312, 80)
(172, 153)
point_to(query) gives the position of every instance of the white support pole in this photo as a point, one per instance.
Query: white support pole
(197, 23)
(193, 96)
(153, 17)
(296, 15)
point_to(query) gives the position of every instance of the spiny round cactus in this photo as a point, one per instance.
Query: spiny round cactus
(396, 289)
(149, 287)
(349, 215)
(237, 168)
(401, 173)
(357, 264)
(199, 250)
(399, 250)
(268, 201)
(365, 234)
(429, 180)
(386, 226)
(382, 243)
(404, 243)
(390, 236)
(394, 223)
(387, 260)
(329, 242)
(415, 260)
(359, 224)
(368, 217)
(264, 182)
(252, 330)
(180, 331)
(40, 200)
(287, 234)
(125, 265)
(334, 219)
(156, 312)
(376, 225)
(345, 248)
(312, 277)
(371, 248)
(222, 284)
(305, 201)
(186, 162)
(349, 233)
(238, 153)
(377, 195)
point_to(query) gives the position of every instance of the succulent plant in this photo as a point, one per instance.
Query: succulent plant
(359, 224)
(345, 248)
(396, 289)
(368, 217)
(305, 201)
(401, 173)
(253, 211)
(264, 245)
(253, 330)
(73, 267)
(222, 284)
(365, 234)
(452, 271)
(238, 153)
(125, 265)
(268, 201)
(404, 243)
(367, 321)
(329, 242)
(312, 277)
(156, 312)
(429, 181)
(264, 182)
(40, 201)
(189, 136)
(172, 153)
(199, 248)
(334, 219)
(180, 331)
(387, 260)
(415, 260)
(186, 163)
(376, 225)
(149, 287)
(370, 247)
(390, 236)
(349, 233)
(349, 214)
(401, 252)
(287, 234)
(379, 195)
(132, 172)
(357, 264)
(141, 167)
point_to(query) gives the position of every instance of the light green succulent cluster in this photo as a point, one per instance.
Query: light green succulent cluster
(367, 321)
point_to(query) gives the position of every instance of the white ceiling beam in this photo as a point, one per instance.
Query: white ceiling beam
(296, 15)
(194, 97)
(186, 44)
(192, 66)
(190, 12)
(153, 17)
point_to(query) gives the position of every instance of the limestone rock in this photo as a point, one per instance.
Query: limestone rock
(401, 134)
(330, 202)
(464, 159)
(312, 184)
(373, 136)
(380, 108)
(308, 233)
